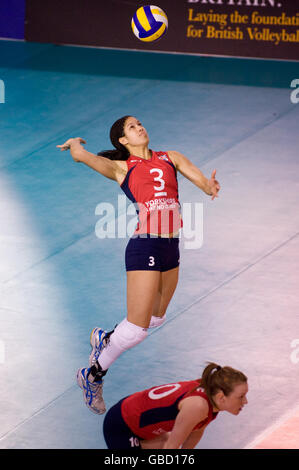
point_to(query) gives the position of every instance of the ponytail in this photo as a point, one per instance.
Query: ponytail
(115, 154)
(117, 131)
(216, 378)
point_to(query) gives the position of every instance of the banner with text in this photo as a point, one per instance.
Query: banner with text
(266, 29)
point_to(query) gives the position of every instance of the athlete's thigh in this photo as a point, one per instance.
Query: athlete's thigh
(167, 286)
(142, 290)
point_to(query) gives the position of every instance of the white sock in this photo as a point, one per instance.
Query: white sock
(125, 336)
(157, 321)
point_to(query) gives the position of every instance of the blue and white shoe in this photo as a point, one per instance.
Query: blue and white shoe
(92, 392)
(98, 340)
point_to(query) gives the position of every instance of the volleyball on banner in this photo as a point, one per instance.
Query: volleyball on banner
(149, 23)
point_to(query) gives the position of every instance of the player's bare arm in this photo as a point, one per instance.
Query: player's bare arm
(192, 411)
(193, 439)
(110, 169)
(194, 174)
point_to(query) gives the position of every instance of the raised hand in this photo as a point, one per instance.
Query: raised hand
(67, 144)
(214, 185)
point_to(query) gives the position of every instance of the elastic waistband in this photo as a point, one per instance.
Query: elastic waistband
(156, 235)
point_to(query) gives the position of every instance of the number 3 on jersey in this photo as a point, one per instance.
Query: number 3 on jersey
(160, 180)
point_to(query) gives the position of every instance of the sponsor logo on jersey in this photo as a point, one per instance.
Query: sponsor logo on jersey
(163, 157)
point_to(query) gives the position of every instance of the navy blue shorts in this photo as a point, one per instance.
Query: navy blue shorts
(152, 254)
(117, 434)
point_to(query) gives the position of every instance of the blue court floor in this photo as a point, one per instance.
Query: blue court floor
(237, 301)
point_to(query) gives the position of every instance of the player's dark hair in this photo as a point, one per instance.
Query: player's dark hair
(216, 378)
(117, 131)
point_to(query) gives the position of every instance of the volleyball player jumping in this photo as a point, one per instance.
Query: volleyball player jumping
(149, 179)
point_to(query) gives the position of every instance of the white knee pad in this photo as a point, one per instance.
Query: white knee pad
(157, 321)
(125, 336)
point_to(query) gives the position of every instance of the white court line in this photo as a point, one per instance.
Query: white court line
(231, 278)
(267, 432)
(36, 413)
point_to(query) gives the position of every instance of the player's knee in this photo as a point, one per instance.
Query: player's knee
(127, 335)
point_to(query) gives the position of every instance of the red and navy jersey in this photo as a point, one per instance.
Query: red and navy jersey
(153, 411)
(153, 187)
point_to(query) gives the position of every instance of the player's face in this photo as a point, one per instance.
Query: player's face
(134, 133)
(237, 398)
(234, 402)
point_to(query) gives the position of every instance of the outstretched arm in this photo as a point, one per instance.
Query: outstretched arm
(102, 165)
(189, 170)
